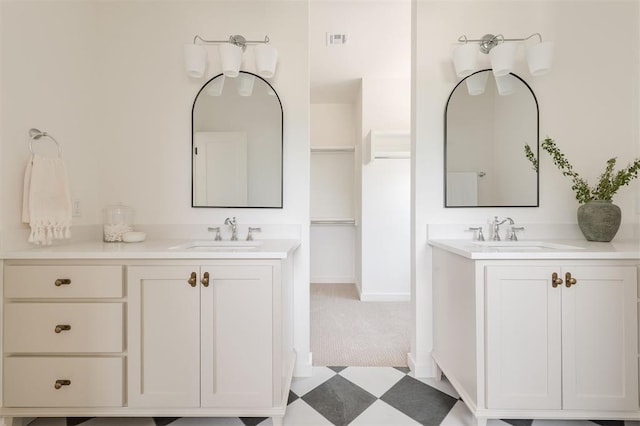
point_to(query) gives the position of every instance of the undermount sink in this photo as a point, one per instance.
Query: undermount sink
(209, 245)
(525, 245)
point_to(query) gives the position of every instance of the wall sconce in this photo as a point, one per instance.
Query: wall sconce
(230, 51)
(502, 53)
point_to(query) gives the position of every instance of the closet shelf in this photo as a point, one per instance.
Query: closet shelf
(382, 144)
(333, 221)
(333, 148)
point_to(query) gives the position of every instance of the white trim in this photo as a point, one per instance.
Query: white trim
(337, 279)
(303, 369)
(424, 367)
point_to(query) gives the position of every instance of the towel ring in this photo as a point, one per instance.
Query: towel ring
(35, 134)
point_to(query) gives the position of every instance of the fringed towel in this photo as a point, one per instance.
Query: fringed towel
(46, 202)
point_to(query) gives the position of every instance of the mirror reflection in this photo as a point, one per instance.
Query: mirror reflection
(487, 124)
(237, 144)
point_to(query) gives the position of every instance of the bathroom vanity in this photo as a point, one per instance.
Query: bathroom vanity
(151, 329)
(538, 330)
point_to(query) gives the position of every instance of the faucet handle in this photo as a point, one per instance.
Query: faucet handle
(514, 236)
(251, 231)
(217, 231)
(480, 235)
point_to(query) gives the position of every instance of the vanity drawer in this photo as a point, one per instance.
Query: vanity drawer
(40, 281)
(32, 327)
(88, 382)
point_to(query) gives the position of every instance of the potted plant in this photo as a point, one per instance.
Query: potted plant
(598, 218)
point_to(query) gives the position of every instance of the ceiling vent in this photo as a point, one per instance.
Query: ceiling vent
(336, 39)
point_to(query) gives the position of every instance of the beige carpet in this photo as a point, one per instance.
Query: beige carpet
(348, 332)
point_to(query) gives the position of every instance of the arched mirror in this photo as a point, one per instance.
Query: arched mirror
(487, 124)
(237, 144)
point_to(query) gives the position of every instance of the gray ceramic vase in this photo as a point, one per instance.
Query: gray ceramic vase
(599, 220)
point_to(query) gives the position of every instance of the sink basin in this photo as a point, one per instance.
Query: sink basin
(212, 245)
(525, 245)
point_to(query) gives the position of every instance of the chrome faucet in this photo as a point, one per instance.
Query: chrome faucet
(495, 226)
(234, 228)
(215, 229)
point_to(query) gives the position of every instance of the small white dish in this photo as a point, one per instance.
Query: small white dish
(134, 236)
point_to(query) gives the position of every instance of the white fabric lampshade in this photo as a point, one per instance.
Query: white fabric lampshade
(195, 60)
(503, 56)
(539, 58)
(505, 85)
(266, 60)
(231, 58)
(465, 59)
(215, 86)
(245, 84)
(476, 83)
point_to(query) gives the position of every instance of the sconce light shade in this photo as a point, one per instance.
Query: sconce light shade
(476, 83)
(231, 58)
(465, 59)
(214, 88)
(195, 60)
(245, 84)
(539, 58)
(503, 57)
(505, 85)
(266, 59)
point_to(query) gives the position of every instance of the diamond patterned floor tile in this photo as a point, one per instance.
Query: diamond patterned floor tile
(339, 400)
(208, 421)
(562, 423)
(299, 413)
(382, 414)
(419, 401)
(120, 421)
(375, 380)
(442, 385)
(301, 385)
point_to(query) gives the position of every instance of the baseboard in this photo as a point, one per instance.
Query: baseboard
(385, 297)
(338, 279)
(303, 366)
(422, 367)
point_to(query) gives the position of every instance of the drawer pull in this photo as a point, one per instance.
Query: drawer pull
(62, 281)
(62, 327)
(569, 280)
(205, 279)
(192, 280)
(555, 281)
(60, 383)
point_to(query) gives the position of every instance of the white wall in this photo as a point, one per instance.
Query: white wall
(106, 79)
(384, 219)
(588, 104)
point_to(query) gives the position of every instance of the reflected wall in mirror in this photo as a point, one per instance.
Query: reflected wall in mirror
(237, 144)
(485, 134)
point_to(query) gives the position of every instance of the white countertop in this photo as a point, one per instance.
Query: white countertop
(565, 249)
(154, 249)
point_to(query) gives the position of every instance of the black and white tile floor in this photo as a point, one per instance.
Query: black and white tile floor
(355, 396)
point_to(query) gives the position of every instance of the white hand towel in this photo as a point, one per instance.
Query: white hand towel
(46, 204)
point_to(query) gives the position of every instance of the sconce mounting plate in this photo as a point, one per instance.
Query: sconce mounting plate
(488, 42)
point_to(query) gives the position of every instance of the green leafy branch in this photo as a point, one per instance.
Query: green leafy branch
(609, 181)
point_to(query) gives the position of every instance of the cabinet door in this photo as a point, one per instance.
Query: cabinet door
(164, 337)
(600, 347)
(523, 338)
(237, 345)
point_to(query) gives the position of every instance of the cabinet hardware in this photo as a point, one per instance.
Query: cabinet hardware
(62, 281)
(555, 281)
(60, 383)
(569, 280)
(192, 279)
(205, 279)
(62, 327)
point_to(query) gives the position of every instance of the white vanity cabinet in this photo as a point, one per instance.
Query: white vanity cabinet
(550, 346)
(204, 336)
(191, 336)
(63, 336)
(517, 342)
